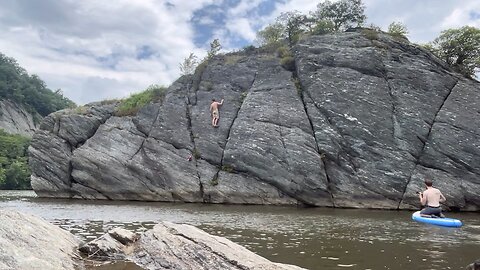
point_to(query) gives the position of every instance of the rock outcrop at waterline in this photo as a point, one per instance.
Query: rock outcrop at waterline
(28, 242)
(177, 246)
(359, 123)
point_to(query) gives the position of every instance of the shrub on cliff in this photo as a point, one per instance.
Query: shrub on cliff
(132, 104)
(14, 171)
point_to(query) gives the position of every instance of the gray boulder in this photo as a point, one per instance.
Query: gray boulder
(360, 123)
(177, 246)
(28, 242)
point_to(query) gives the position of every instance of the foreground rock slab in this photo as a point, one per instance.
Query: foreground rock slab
(28, 242)
(177, 246)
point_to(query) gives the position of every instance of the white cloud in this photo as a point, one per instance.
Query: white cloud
(108, 49)
(92, 47)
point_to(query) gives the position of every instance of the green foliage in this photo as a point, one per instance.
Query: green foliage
(284, 51)
(294, 24)
(232, 59)
(249, 49)
(227, 168)
(135, 102)
(243, 96)
(31, 91)
(189, 64)
(323, 27)
(196, 154)
(343, 14)
(14, 171)
(397, 29)
(271, 34)
(370, 34)
(215, 47)
(460, 48)
(214, 180)
(288, 63)
(298, 86)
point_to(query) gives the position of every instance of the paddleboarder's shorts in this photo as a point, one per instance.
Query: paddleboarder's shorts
(215, 114)
(431, 211)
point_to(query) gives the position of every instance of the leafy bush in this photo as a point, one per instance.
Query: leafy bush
(135, 102)
(323, 27)
(397, 29)
(29, 90)
(284, 51)
(14, 170)
(370, 34)
(288, 63)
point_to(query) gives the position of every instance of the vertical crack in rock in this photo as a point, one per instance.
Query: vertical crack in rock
(395, 126)
(147, 135)
(322, 156)
(188, 115)
(417, 162)
(235, 118)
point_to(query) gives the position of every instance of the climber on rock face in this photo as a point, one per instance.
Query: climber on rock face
(214, 110)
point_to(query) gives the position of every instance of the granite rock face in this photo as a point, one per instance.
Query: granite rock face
(28, 242)
(177, 246)
(360, 123)
(15, 119)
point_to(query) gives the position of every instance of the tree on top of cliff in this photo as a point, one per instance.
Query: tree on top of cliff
(329, 17)
(29, 90)
(343, 14)
(460, 48)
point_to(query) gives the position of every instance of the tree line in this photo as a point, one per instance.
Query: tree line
(29, 90)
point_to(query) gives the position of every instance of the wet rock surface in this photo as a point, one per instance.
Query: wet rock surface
(176, 246)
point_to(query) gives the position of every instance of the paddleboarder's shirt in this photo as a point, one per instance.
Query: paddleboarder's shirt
(433, 197)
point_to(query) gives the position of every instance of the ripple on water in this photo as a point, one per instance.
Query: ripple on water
(312, 238)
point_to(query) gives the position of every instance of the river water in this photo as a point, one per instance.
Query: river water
(314, 238)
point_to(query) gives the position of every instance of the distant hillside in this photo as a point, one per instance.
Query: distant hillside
(24, 100)
(28, 90)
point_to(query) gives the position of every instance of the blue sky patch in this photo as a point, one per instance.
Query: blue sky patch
(474, 15)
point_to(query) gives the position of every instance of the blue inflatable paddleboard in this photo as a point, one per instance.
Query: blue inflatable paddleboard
(446, 222)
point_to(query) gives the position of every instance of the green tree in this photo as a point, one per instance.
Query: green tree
(189, 64)
(215, 47)
(271, 34)
(294, 24)
(31, 91)
(460, 48)
(343, 14)
(398, 29)
(14, 171)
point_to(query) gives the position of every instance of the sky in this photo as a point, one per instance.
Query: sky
(95, 50)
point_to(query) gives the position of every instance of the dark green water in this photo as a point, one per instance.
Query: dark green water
(314, 238)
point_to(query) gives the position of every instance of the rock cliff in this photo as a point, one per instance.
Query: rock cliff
(360, 122)
(15, 119)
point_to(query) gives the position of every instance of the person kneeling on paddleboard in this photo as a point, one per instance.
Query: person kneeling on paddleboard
(431, 198)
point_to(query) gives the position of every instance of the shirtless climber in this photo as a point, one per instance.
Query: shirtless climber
(214, 110)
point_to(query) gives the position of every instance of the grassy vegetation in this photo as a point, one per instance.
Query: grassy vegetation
(370, 34)
(14, 170)
(227, 168)
(131, 105)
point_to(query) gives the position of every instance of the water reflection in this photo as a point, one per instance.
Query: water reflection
(312, 238)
